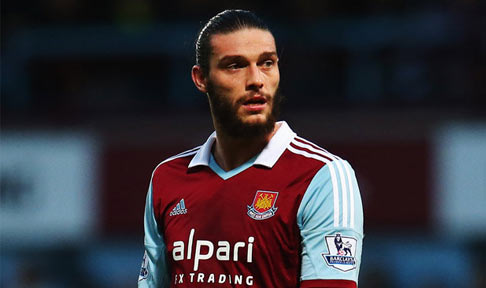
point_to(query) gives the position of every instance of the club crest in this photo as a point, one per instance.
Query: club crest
(263, 206)
(342, 251)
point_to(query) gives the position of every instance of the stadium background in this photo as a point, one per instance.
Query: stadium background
(94, 94)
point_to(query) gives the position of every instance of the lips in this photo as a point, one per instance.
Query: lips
(255, 100)
(255, 104)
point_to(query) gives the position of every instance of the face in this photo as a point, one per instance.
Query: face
(242, 82)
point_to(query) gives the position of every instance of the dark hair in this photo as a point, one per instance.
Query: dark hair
(225, 22)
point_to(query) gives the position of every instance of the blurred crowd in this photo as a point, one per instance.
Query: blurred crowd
(72, 59)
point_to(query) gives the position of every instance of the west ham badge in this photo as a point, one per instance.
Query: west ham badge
(263, 206)
(342, 251)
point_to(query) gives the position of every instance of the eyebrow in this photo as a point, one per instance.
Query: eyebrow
(230, 58)
(268, 54)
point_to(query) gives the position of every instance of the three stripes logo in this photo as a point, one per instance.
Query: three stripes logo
(179, 209)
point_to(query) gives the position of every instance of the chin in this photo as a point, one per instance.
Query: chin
(255, 120)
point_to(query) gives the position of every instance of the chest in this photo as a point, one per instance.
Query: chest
(245, 225)
(252, 201)
(259, 204)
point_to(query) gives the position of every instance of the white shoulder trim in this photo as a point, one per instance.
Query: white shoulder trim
(189, 152)
(340, 172)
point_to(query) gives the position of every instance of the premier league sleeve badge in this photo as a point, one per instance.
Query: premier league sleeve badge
(342, 251)
(144, 269)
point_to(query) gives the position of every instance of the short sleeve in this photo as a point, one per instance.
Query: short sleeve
(154, 271)
(330, 218)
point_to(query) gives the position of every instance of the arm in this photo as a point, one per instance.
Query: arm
(154, 266)
(331, 207)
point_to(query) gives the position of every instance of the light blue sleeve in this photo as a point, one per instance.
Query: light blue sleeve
(154, 271)
(330, 218)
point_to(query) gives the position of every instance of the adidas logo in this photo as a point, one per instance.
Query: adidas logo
(179, 209)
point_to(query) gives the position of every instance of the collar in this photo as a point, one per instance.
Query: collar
(268, 157)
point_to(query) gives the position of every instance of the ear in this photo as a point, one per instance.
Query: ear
(199, 79)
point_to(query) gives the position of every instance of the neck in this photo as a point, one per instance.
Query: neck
(230, 152)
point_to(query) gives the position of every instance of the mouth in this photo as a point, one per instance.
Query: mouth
(255, 104)
(256, 100)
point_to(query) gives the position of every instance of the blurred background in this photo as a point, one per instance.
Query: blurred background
(94, 94)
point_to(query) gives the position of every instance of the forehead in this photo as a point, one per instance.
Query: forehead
(244, 42)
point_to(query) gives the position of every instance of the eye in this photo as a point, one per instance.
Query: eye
(268, 63)
(234, 66)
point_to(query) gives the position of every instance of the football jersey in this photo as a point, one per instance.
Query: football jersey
(289, 217)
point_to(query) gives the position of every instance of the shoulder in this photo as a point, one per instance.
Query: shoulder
(333, 193)
(332, 167)
(308, 151)
(179, 160)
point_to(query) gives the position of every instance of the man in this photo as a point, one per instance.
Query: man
(256, 205)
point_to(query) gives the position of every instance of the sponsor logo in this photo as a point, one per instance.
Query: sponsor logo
(236, 279)
(342, 251)
(263, 206)
(144, 270)
(201, 250)
(179, 209)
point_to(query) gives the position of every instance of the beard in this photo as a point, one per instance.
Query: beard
(225, 114)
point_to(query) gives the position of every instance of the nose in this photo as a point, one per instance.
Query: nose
(254, 78)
